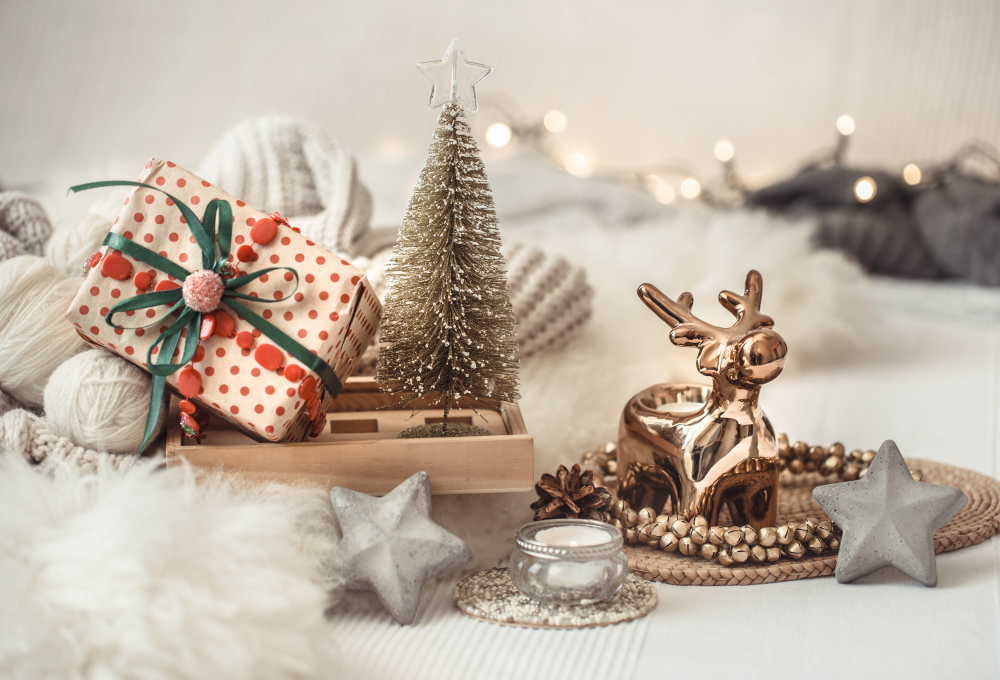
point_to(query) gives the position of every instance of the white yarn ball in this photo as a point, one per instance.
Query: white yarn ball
(74, 242)
(35, 337)
(99, 401)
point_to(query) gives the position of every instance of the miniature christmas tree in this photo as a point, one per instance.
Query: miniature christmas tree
(448, 329)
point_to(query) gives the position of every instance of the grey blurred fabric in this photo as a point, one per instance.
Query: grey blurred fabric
(947, 230)
(960, 222)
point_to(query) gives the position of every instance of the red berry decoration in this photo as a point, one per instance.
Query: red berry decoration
(293, 373)
(92, 262)
(318, 426)
(207, 326)
(313, 404)
(194, 424)
(142, 281)
(166, 284)
(188, 406)
(269, 357)
(308, 387)
(244, 339)
(263, 230)
(225, 324)
(116, 267)
(189, 425)
(189, 382)
(244, 253)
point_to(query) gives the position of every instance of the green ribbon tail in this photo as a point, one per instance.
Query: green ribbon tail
(194, 225)
(221, 210)
(144, 254)
(156, 397)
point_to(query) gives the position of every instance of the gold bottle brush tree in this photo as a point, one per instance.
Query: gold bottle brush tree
(448, 328)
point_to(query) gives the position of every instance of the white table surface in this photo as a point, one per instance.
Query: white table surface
(937, 393)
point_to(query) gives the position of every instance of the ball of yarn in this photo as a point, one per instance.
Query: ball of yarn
(99, 401)
(75, 241)
(35, 337)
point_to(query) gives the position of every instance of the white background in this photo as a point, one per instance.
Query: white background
(640, 81)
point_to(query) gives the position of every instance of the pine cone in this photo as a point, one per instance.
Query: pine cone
(572, 494)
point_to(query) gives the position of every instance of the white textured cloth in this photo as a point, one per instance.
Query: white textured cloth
(279, 163)
(447, 645)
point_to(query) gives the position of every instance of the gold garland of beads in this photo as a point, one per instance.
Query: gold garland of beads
(739, 544)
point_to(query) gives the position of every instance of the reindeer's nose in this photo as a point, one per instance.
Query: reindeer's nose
(761, 355)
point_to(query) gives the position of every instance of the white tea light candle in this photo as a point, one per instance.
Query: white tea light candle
(568, 561)
(572, 536)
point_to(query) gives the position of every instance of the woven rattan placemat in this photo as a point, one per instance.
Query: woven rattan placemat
(973, 524)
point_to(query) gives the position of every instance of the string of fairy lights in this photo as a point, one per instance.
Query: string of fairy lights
(670, 183)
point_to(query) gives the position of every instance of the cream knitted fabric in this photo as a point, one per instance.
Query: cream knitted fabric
(551, 298)
(25, 434)
(7, 403)
(279, 163)
(24, 226)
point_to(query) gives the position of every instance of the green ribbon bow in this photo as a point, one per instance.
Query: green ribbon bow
(215, 227)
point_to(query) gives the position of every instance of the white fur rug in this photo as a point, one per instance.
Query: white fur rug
(149, 574)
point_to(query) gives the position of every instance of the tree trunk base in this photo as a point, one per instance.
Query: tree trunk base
(437, 430)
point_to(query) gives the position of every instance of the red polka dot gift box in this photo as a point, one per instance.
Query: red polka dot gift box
(229, 307)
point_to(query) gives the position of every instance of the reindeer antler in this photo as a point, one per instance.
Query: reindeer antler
(687, 328)
(690, 330)
(746, 307)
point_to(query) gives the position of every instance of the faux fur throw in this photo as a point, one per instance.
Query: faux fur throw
(147, 574)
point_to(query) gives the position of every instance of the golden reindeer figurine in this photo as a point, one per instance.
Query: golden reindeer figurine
(700, 447)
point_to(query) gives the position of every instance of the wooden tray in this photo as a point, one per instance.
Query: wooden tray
(359, 450)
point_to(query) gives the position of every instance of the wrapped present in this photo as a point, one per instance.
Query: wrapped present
(235, 310)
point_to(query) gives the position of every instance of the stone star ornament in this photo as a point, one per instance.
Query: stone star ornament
(888, 518)
(454, 78)
(389, 545)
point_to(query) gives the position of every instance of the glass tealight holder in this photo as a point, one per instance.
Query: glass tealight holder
(568, 561)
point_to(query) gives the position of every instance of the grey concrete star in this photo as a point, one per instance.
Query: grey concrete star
(390, 545)
(888, 518)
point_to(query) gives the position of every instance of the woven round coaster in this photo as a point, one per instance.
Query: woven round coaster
(491, 596)
(973, 524)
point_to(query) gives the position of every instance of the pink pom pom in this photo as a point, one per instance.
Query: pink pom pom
(203, 291)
